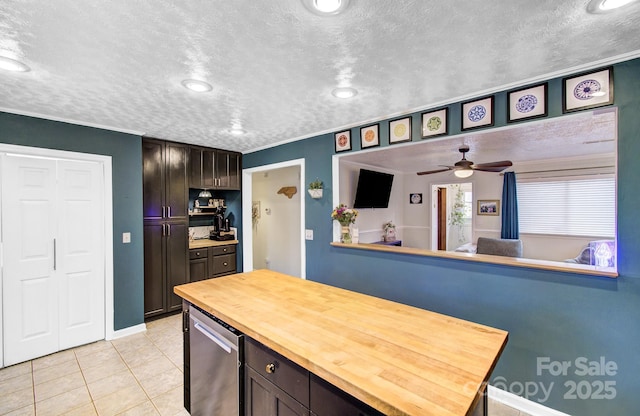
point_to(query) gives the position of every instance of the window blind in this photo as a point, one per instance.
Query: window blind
(575, 207)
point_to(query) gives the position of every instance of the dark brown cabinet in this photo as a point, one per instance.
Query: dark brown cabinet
(165, 205)
(264, 398)
(214, 169)
(205, 263)
(274, 385)
(198, 264)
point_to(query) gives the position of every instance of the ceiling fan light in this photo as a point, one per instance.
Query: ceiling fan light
(463, 173)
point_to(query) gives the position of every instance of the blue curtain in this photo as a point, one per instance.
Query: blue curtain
(510, 227)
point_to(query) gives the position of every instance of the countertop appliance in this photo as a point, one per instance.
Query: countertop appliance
(216, 372)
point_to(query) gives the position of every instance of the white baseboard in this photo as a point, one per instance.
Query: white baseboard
(522, 404)
(127, 331)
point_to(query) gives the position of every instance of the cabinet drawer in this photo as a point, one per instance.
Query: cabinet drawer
(198, 253)
(224, 264)
(220, 250)
(290, 377)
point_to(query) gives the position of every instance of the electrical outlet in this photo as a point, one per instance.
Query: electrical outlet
(126, 238)
(308, 234)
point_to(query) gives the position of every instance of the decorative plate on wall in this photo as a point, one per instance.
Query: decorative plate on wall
(434, 123)
(589, 90)
(477, 113)
(369, 136)
(527, 103)
(400, 130)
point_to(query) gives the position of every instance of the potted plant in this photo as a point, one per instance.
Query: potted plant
(315, 189)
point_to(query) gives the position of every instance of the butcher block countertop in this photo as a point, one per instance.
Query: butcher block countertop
(398, 359)
(209, 243)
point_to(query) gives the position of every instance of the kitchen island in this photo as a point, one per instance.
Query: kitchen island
(398, 359)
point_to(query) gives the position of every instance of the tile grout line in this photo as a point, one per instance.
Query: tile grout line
(86, 385)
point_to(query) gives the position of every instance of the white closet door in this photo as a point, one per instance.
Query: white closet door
(80, 252)
(30, 287)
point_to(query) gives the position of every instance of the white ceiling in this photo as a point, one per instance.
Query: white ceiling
(119, 63)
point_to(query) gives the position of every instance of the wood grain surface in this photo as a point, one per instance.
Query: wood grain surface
(556, 266)
(210, 243)
(398, 359)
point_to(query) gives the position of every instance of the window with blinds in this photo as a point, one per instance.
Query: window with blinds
(575, 207)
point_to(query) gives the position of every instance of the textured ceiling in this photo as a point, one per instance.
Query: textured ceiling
(119, 63)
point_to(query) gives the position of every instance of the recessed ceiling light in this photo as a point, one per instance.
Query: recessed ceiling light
(326, 7)
(196, 85)
(344, 92)
(9, 64)
(237, 131)
(606, 6)
(613, 4)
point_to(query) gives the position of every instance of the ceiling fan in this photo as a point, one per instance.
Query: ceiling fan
(464, 168)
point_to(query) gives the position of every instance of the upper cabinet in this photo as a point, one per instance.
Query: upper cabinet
(214, 169)
(165, 185)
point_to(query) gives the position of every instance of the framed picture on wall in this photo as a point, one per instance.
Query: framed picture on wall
(528, 103)
(343, 141)
(434, 123)
(477, 113)
(400, 130)
(488, 207)
(589, 90)
(415, 198)
(370, 136)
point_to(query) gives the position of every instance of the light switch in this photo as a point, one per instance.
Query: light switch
(126, 238)
(308, 234)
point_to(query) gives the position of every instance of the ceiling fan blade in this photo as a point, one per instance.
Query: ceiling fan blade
(427, 172)
(493, 166)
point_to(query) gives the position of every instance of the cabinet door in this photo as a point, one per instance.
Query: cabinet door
(235, 161)
(228, 170)
(198, 269)
(208, 169)
(153, 178)
(328, 400)
(265, 399)
(222, 170)
(177, 252)
(177, 188)
(195, 167)
(154, 269)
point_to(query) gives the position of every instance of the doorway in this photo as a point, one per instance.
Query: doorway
(452, 215)
(273, 218)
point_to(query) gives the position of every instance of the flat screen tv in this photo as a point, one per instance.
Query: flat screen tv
(373, 190)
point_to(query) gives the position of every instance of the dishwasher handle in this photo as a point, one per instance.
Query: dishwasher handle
(207, 332)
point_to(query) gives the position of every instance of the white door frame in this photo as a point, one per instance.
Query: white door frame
(108, 214)
(247, 223)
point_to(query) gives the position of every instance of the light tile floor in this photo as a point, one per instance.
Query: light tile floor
(138, 375)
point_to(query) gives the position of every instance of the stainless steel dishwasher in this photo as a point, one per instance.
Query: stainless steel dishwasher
(215, 366)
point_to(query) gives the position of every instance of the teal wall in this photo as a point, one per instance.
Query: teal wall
(126, 153)
(548, 314)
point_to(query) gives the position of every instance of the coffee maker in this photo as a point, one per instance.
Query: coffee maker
(221, 227)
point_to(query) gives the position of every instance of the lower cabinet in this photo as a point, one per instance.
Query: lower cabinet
(264, 398)
(165, 265)
(208, 262)
(276, 386)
